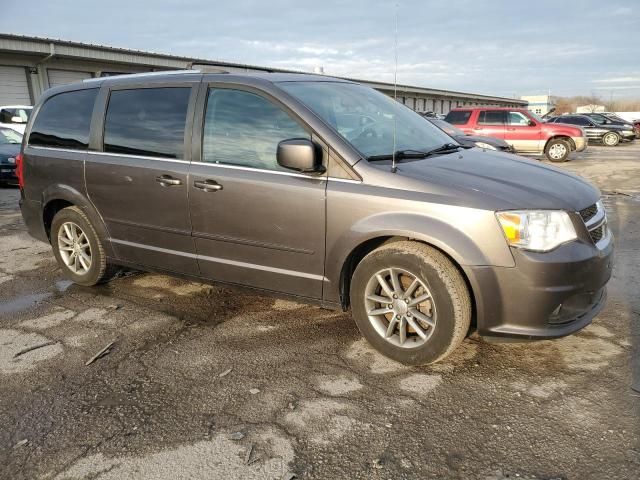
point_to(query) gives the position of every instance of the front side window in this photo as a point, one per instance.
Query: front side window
(491, 117)
(147, 122)
(64, 120)
(518, 119)
(242, 128)
(366, 118)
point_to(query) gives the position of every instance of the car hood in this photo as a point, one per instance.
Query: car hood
(472, 139)
(499, 180)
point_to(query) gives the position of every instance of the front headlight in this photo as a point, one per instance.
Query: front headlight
(485, 145)
(537, 230)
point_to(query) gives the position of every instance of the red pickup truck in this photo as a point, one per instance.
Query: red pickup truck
(519, 128)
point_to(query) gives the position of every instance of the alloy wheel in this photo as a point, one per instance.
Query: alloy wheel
(74, 248)
(400, 307)
(610, 139)
(557, 151)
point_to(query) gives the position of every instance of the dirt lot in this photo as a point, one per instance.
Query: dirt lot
(206, 383)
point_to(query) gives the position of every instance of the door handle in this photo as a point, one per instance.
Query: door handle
(207, 185)
(168, 180)
(511, 129)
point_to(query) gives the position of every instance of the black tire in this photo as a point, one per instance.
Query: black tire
(446, 285)
(100, 270)
(555, 146)
(610, 139)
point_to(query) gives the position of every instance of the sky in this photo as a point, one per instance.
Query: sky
(506, 48)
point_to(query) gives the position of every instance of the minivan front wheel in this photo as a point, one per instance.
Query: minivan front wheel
(557, 150)
(410, 302)
(78, 249)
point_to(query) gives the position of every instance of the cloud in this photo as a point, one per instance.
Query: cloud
(617, 80)
(500, 47)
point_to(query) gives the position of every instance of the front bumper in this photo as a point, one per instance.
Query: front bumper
(581, 143)
(8, 173)
(546, 295)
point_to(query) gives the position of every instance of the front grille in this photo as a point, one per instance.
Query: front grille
(588, 213)
(597, 233)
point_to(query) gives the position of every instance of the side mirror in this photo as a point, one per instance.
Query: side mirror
(17, 120)
(301, 155)
(532, 123)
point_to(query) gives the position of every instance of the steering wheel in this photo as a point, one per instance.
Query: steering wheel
(367, 132)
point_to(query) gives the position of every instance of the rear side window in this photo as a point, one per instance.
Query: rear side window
(458, 117)
(147, 121)
(64, 120)
(491, 117)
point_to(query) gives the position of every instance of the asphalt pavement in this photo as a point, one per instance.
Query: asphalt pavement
(200, 382)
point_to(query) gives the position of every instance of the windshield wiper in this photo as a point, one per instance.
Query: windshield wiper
(446, 148)
(404, 154)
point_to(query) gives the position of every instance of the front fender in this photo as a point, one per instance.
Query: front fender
(468, 236)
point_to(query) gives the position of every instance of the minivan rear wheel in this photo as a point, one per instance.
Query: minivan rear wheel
(557, 150)
(78, 249)
(410, 302)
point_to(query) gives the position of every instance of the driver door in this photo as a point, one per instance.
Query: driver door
(254, 222)
(522, 133)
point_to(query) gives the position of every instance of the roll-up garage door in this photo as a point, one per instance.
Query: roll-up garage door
(14, 89)
(62, 77)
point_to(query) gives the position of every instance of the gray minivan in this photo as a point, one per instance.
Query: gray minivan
(318, 189)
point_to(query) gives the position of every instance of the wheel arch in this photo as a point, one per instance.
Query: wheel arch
(57, 197)
(565, 138)
(364, 248)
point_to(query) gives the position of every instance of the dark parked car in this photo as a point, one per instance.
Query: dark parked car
(432, 115)
(613, 119)
(609, 135)
(488, 143)
(266, 181)
(10, 142)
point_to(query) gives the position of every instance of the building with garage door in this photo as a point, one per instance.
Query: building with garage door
(30, 65)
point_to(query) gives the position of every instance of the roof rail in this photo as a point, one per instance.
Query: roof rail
(204, 68)
(143, 74)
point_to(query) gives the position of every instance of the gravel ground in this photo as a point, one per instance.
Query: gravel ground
(202, 382)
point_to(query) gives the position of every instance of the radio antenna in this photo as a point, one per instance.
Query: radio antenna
(395, 95)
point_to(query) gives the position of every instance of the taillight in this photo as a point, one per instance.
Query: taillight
(19, 170)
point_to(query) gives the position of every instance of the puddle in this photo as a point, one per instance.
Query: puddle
(62, 286)
(24, 302)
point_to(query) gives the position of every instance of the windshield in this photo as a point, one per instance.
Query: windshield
(537, 118)
(8, 136)
(366, 118)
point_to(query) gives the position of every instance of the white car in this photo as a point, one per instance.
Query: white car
(15, 116)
